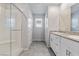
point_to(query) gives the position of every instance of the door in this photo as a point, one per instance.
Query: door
(38, 29)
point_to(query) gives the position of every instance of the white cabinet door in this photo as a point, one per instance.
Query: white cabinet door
(55, 43)
(63, 47)
(73, 47)
(51, 40)
(69, 47)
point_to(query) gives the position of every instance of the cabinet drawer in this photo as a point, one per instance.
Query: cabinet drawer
(74, 48)
(71, 46)
(55, 49)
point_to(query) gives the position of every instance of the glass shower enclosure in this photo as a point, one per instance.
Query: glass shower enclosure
(10, 29)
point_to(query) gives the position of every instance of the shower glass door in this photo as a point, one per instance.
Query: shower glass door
(5, 29)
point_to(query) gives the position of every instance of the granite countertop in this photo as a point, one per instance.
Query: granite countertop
(68, 35)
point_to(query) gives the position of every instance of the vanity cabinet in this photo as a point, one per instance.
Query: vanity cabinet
(64, 46)
(55, 43)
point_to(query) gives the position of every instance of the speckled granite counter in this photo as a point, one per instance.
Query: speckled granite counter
(67, 35)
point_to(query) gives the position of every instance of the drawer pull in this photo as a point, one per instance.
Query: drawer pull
(68, 53)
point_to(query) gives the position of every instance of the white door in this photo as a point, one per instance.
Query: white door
(38, 29)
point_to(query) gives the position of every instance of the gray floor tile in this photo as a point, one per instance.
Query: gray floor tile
(37, 49)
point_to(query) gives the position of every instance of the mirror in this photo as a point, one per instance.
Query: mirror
(75, 18)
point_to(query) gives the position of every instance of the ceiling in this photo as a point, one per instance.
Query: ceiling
(40, 8)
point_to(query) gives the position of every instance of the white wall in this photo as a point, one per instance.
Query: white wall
(65, 17)
(53, 18)
(60, 17)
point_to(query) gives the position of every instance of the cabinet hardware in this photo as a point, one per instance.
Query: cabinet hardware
(68, 53)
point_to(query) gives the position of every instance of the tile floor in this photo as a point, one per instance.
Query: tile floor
(37, 49)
